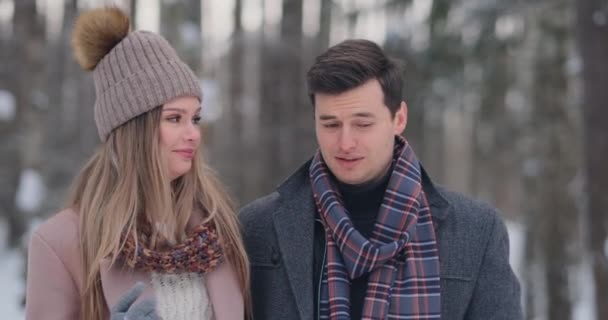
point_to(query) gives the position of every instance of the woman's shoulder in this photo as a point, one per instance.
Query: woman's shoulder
(57, 239)
(59, 233)
(63, 225)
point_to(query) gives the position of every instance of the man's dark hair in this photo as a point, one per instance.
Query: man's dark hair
(350, 64)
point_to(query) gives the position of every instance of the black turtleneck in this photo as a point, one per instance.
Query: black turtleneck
(362, 203)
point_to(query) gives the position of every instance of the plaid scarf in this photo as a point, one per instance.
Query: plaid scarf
(401, 255)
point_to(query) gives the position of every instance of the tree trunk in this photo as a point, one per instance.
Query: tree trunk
(298, 122)
(74, 135)
(325, 24)
(235, 153)
(594, 50)
(495, 137)
(133, 12)
(270, 109)
(10, 163)
(285, 120)
(24, 134)
(181, 25)
(440, 65)
(553, 160)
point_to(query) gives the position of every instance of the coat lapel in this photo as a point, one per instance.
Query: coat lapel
(440, 206)
(294, 225)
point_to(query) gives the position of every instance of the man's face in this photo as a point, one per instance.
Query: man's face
(355, 132)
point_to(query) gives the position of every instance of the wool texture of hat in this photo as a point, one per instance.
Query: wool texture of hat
(134, 72)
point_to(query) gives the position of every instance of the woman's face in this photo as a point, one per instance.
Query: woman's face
(180, 134)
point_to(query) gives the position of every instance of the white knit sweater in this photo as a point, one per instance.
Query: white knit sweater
(181, 296)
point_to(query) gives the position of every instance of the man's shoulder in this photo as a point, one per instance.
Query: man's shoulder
(469, 227)
(468, 210)
(471, 223)
(256, 219)
(290, 190)
(467, 235)
(262, 206)
(474, 259)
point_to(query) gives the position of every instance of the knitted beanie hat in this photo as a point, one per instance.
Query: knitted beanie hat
(134, 72)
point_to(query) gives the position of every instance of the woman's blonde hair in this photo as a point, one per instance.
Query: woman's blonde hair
(124, 187)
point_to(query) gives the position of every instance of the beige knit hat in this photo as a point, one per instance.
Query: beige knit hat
(134, 72)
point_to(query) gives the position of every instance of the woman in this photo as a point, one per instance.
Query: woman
(144, 208)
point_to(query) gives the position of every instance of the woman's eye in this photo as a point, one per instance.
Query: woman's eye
(196, 120)
(174, 119)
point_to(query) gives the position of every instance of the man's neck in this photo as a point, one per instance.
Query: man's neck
(363, 188)
(363, 200)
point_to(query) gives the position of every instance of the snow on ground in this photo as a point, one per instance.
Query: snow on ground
(12, 287)
(516, 246)
(583, 295)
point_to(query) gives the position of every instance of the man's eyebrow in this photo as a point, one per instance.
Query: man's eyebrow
(326, 117)
(364, 115)
(356, 115)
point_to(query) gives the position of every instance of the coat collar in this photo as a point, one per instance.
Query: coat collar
(440, 206)
(294, 226)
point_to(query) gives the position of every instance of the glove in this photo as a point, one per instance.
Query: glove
(126, 310)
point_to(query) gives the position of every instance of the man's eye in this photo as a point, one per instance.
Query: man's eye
(331, 125)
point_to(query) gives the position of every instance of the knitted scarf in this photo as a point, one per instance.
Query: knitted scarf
(401, 255)
(200, 253)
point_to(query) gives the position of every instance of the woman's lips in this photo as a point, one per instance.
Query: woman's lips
(186, 153)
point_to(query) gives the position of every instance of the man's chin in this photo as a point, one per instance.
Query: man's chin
(349, 179)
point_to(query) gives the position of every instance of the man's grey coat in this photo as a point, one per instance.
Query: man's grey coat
(476, 279)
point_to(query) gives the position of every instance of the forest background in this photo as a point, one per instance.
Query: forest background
(507, 103)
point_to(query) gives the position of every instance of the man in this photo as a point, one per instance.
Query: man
(360, 231)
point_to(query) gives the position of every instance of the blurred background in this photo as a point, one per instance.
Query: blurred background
(507, 103)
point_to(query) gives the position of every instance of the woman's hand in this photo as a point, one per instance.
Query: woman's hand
(126, 310)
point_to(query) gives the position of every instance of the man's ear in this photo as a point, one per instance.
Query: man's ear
(400, 118)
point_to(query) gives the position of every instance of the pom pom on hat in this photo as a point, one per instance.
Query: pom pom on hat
(96, 33)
